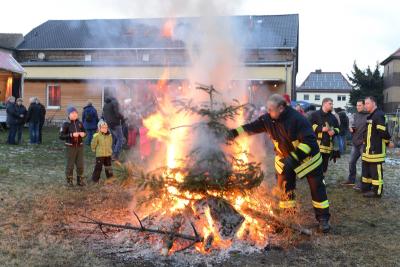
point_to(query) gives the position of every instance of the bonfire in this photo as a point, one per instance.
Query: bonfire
(208, 194)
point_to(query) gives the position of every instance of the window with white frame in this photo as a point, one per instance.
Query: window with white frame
(53, 96)
(306, 97)
(341, 97)
(317, 97)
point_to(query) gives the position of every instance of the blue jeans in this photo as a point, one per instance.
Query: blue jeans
(356, 152)
(342, 143)
(34, 132)
(118, 140)
(12, 131)
(89, 137)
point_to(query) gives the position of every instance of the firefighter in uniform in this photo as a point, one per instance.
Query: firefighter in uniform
(325, 126)
(297, 154)
(376, 139)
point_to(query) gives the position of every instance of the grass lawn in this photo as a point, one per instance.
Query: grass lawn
(39, 216)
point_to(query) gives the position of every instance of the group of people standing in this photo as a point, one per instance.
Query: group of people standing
(105, 136)
(18, 116)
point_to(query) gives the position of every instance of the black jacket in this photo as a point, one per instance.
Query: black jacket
(359, 126)
(21, 110)
(90, 117)
(320, 119)
(344, 123)
(376, 138)
(35, 113)
(43, 113)
(111, 113)
(292, 136)
(12, 116)
(66, 131)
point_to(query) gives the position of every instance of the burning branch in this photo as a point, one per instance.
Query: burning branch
(195, 238)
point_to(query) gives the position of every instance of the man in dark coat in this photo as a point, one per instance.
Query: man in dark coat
(42, 118)
(326, 127)
(297, 155)
(343, 129)
(12, 118)
(22, 113)
(90, 120)
(114, 119)
(34, 118)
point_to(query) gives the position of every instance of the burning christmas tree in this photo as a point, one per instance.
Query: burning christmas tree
(209, 197)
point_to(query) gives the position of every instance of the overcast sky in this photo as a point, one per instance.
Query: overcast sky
(333, 34)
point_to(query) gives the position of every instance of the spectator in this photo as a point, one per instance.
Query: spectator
(102, 146)
(22, 113)
(310, 110)
(114, 119)
(358, 128)
(34, 118)
(344, 128)
(300, 109)
(73, 132)
(42, 119)
(90, 120)
(12, 120)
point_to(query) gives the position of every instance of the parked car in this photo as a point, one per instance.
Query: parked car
(3, 116)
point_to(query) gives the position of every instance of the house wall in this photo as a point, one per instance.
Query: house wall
(334, 96)
(72, 93)
(391, 80)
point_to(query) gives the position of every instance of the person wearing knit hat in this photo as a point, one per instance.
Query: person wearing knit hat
(102, 145)
(71, 109)
(73, 132)
(21, 114)
(90, 119)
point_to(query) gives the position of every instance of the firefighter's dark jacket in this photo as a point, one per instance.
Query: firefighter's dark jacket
(376, 137)
(320, 119)
(292, 136)
(68, 128)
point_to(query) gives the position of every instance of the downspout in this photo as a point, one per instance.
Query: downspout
(22, 84)
(286, 78)
(294, 67)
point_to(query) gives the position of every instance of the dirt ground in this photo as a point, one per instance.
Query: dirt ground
(39, 217)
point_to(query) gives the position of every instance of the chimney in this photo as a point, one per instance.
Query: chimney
(318, 71)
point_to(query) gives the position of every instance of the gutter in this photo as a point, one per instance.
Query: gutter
(137, 48)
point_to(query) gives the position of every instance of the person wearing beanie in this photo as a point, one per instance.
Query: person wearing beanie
(90, 120)
(22, 113)
(102, 145)
(73, 132)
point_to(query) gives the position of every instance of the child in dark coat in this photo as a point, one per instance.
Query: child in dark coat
(73, 132)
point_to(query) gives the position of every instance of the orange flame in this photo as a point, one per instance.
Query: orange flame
(165, 127)
(167, 30)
